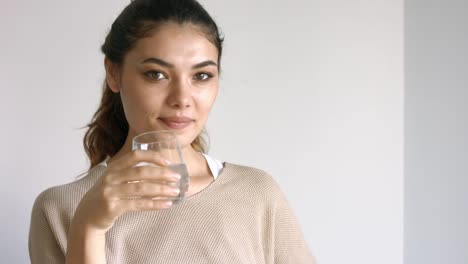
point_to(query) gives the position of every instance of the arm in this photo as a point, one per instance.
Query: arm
(290, 245)
(97, 210)
(85, 245)
(108, 199)
(43, 246)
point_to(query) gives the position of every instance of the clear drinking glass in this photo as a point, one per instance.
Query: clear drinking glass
(165, 142)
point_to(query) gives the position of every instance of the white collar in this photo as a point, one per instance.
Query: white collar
(215, 165)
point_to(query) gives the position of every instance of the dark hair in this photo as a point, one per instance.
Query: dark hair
(108, 128)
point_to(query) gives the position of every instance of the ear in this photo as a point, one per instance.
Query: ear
(112, 75)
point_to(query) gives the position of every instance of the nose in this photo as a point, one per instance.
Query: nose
(180, 94)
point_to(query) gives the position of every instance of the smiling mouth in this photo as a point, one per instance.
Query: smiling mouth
(176, 122)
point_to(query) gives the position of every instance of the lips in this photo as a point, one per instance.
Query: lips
(176, 122)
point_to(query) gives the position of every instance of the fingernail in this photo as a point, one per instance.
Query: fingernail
(176, 176)
(175, 191)
(167, 204)
(166, 162)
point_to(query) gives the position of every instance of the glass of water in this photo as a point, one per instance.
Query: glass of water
(165, 142)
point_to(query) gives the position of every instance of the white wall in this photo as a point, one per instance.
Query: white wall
(312, 92)
(436, 132)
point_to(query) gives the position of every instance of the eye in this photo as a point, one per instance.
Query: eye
(155, 75)
(203, 76)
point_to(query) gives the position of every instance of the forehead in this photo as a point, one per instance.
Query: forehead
(175, 43)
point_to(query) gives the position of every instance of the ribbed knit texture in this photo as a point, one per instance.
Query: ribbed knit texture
(241, 217)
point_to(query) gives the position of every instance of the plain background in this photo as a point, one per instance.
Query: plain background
(312, 92)
(436, 132)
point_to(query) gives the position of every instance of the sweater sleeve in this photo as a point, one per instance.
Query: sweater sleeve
(290, 246)
(43, 247)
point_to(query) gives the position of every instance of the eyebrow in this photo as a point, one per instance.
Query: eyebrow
(169, 65)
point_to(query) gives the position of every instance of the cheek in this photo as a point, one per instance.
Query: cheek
(140, 109)
(147, 108)
(152, 114)
(208, 98)
(205, 105)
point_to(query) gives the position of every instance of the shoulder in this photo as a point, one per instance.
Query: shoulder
(253, 179)
(247, 172)
(63, 198)
(52, 212)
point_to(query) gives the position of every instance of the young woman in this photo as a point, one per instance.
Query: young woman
(162, 61)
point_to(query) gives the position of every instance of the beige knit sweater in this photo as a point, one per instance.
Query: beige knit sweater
(241, 217)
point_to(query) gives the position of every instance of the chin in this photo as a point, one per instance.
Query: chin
(186, 137)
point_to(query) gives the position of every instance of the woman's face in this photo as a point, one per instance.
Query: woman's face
(168, 81)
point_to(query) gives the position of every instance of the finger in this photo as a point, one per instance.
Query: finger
(141, 189)
(133, 158)
(144, 173)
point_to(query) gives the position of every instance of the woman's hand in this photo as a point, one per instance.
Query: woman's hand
(124, 188)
